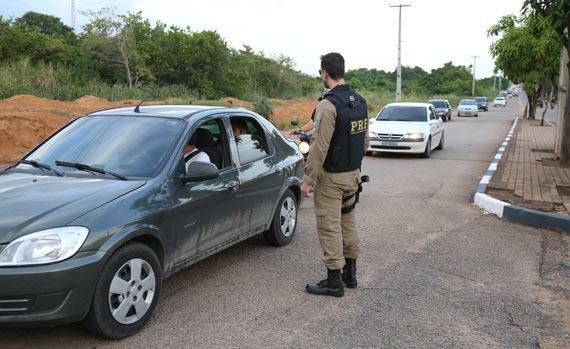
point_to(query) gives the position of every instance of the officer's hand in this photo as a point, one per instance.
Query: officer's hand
(306, 190)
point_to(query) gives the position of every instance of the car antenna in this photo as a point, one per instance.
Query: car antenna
(137, 108)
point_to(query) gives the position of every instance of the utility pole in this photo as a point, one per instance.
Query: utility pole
(73, 15)
(399, 71)
(473, 88)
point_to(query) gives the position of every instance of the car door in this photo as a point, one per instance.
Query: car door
(436, 127)
(204, 214)
(260, 174)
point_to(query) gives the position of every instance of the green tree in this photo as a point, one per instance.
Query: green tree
(557, 14)
(526, 51)
(110, 38)
(46, 24)
(447, 80)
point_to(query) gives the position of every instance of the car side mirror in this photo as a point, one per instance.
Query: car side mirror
(200, 171)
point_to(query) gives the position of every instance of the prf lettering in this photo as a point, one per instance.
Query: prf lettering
(358, 126)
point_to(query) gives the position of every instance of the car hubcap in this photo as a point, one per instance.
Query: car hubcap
(288, 217)
(132, 291)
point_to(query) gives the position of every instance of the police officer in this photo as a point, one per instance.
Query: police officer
(339, 140)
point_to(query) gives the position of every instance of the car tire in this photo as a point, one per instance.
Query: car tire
(458, 114)
(441, 141)
(142, 289)
(449, 117)
(284, 224)
(427, 152)
(369, 153)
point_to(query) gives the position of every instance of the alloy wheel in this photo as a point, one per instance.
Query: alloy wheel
(288, 217)
(131, 291)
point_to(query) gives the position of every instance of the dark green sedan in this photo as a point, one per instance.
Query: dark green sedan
(95, 217)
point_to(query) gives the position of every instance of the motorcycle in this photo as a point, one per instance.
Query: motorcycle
(304, 140)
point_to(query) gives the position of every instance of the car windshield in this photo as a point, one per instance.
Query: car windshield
(468, 102)
(481, 99)
(499, 99)
(403, 113)
(130, 146)
(439, 104)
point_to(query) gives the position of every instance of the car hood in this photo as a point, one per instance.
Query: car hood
(467, 107)
(30, 202)
(398, 127)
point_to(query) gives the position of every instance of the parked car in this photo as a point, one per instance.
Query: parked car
(407, 128)
(442, 108)
(467, 107)
(94, 218)
(515, 93)
(482, 103)
(500, 101)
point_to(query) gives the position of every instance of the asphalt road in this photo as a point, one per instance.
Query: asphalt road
(434, 272)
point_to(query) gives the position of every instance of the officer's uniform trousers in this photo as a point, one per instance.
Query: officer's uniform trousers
(337, 232)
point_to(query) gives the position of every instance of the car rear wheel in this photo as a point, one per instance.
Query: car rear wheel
(427, 151)
(284, 222)
(458, 114)
(126, 293)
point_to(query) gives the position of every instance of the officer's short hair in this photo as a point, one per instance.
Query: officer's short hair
(333, 63)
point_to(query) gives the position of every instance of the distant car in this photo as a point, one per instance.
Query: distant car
(94, 218)
(407, 128)
(442, 108)
(515, 93)
(500, 101)
(467, 107)
(482, 103)
(502, 93)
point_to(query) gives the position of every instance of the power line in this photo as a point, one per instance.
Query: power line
(399, 71)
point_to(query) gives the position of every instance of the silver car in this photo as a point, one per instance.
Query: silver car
(467, 107)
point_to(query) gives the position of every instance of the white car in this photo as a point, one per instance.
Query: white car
(502, 101)
(468, 107)
(406, 128)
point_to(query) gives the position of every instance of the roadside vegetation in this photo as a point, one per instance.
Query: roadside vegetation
(124, 56)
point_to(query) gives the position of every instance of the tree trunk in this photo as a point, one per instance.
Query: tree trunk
(565, 138)
(547, 104)
(128, 70)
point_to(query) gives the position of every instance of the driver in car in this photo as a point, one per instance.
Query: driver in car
(192, 153)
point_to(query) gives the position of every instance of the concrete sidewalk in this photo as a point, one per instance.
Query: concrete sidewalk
(528, 176)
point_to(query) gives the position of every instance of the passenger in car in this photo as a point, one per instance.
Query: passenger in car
(192, 153)
(238, 126)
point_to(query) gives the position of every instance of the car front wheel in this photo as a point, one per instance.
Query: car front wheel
(284, 224)
(441, 141)
(126, 292)
(427, 151)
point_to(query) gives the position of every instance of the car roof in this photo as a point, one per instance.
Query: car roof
(467, 99)
(163, 110)
(409, 104)
(438, 100)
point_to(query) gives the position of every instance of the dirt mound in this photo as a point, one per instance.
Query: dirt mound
(27, 120)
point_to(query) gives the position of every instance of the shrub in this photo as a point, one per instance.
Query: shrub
(264, 107)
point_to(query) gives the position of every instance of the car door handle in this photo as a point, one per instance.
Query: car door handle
(232, 185)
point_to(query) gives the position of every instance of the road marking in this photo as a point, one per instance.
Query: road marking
(493, 166)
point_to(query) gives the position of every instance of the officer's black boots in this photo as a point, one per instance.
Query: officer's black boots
(331, 286)
(349, 273)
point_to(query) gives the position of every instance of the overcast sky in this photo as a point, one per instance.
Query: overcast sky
(365, 32)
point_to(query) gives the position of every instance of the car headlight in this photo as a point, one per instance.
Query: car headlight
(42, 247)
(440, 113)
(372, 135)
(414, 136)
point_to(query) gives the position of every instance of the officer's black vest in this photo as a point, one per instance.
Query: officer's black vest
(346, 149)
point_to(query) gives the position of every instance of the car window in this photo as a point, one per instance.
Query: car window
(131, 146)
(249, 138)
(210, 137)
(468, 102)
(402, 113)
(439, 104)
(432, 115)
